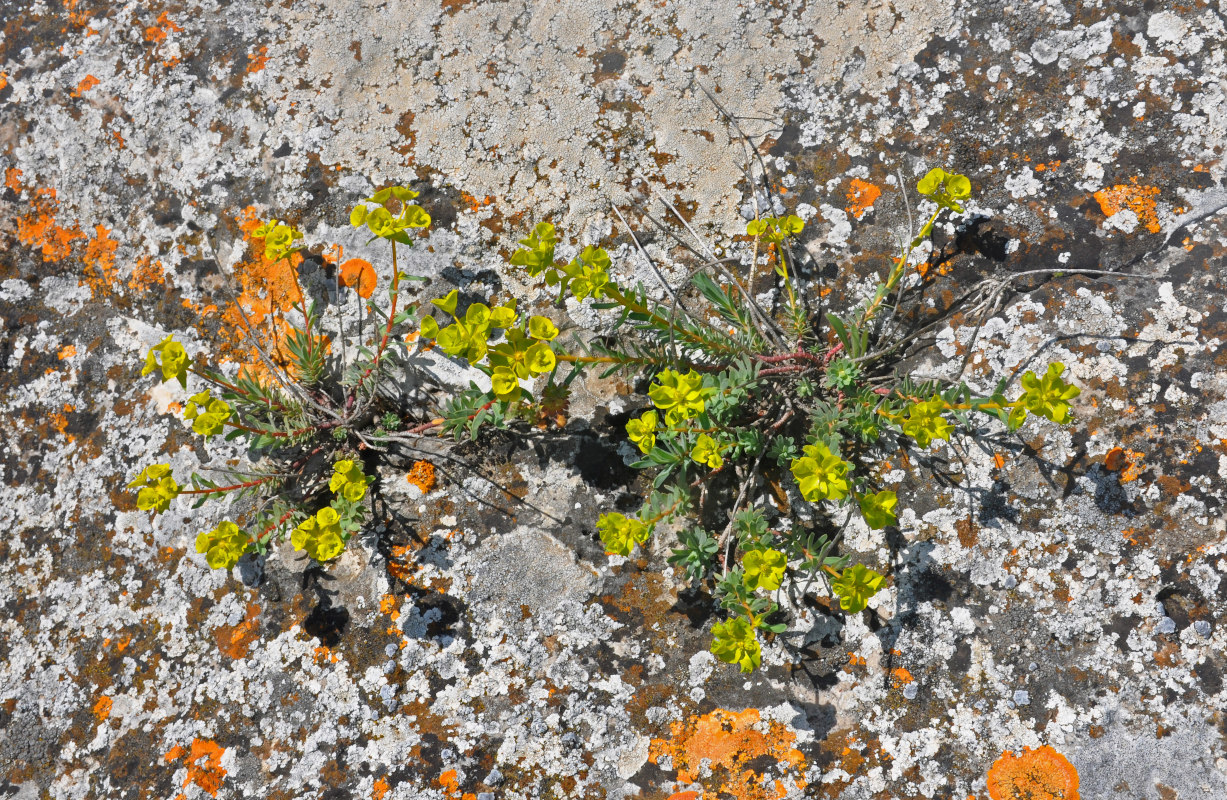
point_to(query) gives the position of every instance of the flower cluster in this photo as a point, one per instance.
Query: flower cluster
(764, 569)
(925, 422)
(879, 509)
(775, 229)
(320, 535)
(855, 586)
(642, 431)
(734, 642)
(223, 546)
(524, 353)
(1048, 396)
(707, 451)
(946, 188)
(348, 480)
(681, 397)
(157, 488)
(379, 220)
(586, 275)
(620, 533)
(279, 239)
(208, 414)
(174, 361)
(821, 474)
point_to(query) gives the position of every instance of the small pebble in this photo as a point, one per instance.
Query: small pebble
(1166, 625)
(1032, 667)
(1022, 698)
(390, 649)
(494, 778)
(911, 690)
(1203, 628)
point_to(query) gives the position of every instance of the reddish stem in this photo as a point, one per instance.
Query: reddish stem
(387, 331)
(216, 489)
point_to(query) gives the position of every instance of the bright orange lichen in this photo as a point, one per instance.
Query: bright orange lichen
(901, 676)
(1133, 467)
(1042, 774)
(360, 276)
(380, 789)
(38, 228)
(257, 62)
(861, 197)
(208, 776)
(87, 83)
(1138, 199)
(729, 741)
(100, 262)
(157, 31)
(146, 274)
(67, 351)
(685, 796)
(422, 476)
(102, 709)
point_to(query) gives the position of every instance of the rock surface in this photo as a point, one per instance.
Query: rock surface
(1065, 588)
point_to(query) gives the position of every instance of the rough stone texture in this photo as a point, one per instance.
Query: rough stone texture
(1046, 596)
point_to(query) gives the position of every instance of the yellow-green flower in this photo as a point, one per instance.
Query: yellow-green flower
(503, 316)
(278, 239)
(223, 546)
(620, 533)
(1048, 396)
(504, 384)
(320, 536)
(706, 451)
(945, 187)
(348, 480)
(542, 329)
(540, 358)
(174, 360)
(538, 252)
(925, 422)
(379, 220)
(642, 431)
(879, 509)
(680, 396)
(588, 273)
(764, 569)
(208, 414)
(735, 642)
(821, 474)
(855, 586)
(157, 488)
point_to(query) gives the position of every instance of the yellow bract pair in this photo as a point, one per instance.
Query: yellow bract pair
(157, 488)
(208, 414)
(821, 474)
(680, 396)
(174, 361)
(379, 220)
(348, 480)
(279, 238)
(320, 535)
(223, 546)
(620, 533)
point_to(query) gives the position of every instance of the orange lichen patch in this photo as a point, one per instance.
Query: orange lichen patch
(474, 203)
(449, 782)
(4, 80)
(175, 753)
(685, 796)
(388, 604)
(67, 351)
(259, 61)
(728, 741)
(267, 289)
(102, 709)
(422, 476)
(998, 460)
(1138, 199)
(60, 423)
(901, 676)
(1051, 165)
(235, 640)
(207, 776)
(157, 31)
(1115, 460)
(380, 789)
(861, 197)
(400, 565)
(38, 228)
(100, 262)
(360, 276)
(1042, 774)
(1133, 468)
(145, 274)
(87, 83)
